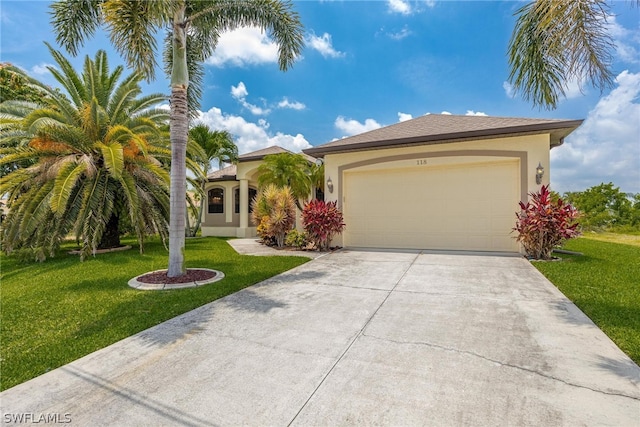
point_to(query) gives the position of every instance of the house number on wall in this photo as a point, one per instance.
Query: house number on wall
(421, 162)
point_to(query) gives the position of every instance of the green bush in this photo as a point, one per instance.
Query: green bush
(296, 239)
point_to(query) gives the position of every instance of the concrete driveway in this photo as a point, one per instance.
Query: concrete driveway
(357, 338)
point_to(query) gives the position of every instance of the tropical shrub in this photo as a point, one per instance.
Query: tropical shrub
(274, 214)
(296, 239)
(287, 170)
(322, 221)
(543, 224)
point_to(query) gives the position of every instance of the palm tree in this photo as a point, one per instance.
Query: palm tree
(214, 145)
(316, 174)
(287, 170)
(195, 27)
(92, 161)
(556, 42)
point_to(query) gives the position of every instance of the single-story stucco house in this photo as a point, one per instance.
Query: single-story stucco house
(441, 182)
(229, 193)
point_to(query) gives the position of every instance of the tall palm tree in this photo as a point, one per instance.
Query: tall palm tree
(556, 42)
(215, 146)
(195, 27)
(287, 170)
(92, 161)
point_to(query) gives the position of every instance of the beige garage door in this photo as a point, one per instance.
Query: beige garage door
(461, 207)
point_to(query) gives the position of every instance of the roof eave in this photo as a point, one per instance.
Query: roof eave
(223, 178)
(566, 127)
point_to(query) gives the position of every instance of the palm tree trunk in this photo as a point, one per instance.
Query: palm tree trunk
(198, 221)
(111, 236)
(187, 229)
(178, 134)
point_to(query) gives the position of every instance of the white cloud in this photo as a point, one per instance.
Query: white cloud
(399, 6)
(475, 113)
(323, 44)
(404, 33)
(240, 93)
(574, 88)
(354, 127)
(250, 136)
(405, 7)
(627, 41)
(446, 113)
(244, 46)
(403, 117)
(606, 148)
(295, 105)
(509, 89)
(41, 69)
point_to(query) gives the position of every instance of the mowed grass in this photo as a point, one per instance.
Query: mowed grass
(605, 284)
(628, 239)
(58, 311)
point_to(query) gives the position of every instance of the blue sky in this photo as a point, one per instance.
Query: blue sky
(368, 64)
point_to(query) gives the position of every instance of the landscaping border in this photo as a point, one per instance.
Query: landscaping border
(136, 284)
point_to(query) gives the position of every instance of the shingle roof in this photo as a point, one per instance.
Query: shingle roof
(230, 172)
(260, 154)
(223, 174)
(440, 128)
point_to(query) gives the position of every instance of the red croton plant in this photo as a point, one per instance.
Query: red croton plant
(322, 221)
(543, 223)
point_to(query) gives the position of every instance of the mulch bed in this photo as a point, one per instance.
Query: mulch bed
(192, 275)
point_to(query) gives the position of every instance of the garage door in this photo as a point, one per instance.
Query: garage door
(468, 206)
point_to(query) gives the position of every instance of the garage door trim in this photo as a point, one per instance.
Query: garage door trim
(522, 155)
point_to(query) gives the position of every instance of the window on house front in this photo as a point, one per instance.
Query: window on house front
(216, 200)
(252, 194)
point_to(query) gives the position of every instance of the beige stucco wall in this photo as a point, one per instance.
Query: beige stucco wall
(529, 149)
(225, 224)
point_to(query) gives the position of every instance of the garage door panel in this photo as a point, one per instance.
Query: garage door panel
(458, 207)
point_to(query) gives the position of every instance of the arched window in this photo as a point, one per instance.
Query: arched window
(216, 200)
(252, 194)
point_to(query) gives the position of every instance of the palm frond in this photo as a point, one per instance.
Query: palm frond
(64, 184)
(132, 27)
(557, 42)
(113, 158)
(68, 78)
(277, 17)
(74, 21)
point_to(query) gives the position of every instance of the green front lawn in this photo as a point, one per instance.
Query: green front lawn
(604, 284)
(55, 312)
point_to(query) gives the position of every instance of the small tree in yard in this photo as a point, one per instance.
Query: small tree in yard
(543, 224)
(274, 214)
(322, 221)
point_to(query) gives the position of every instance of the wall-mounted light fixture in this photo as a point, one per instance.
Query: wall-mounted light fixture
(330, 185)
(539, 173)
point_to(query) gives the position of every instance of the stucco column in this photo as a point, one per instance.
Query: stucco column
(244, 208)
